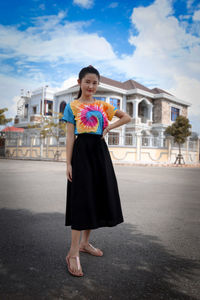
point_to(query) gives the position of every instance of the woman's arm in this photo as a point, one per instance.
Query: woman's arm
(69, 148)
(124, 118)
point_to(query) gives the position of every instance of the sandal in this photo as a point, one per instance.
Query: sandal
(93, 251)
(78, 265)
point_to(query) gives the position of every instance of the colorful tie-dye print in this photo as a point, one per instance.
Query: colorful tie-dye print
(89, 117)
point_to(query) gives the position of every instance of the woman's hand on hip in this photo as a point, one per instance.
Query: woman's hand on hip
(69, 172)
(106, 130)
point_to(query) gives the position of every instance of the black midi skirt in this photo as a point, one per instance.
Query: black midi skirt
(93, 199)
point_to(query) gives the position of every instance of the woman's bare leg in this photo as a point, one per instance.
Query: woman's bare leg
(74, 250)
(85, 237)
(84, 244)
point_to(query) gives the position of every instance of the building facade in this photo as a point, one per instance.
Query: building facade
(151, 110)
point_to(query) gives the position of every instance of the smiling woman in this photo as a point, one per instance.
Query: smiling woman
(92, 191)
(88, 82)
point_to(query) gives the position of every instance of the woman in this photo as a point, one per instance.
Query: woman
(92, 192)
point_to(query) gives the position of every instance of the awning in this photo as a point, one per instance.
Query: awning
(13, 129)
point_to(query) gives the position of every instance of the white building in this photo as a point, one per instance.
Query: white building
(152, 110)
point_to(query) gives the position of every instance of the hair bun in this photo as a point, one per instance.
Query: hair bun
(90, 66)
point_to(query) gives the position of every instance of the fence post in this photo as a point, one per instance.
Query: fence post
(161, 135)
(41, 147)
(138, 147)
(187, 151)
(47, 147)
(18, 143)
(198, 146)
(169, 149)
(31, 138)
(122, 136)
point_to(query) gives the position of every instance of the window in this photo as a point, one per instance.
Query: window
(26, 111)
(48, 105)
(62, 106)
(100, 98)
(113, 138)
(115, 102)
(34, 110)
(174, 113)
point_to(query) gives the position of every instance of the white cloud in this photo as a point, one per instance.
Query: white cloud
(84, 3)
(42, 6)
(187, 89)
(69, 83)
(189, 3)
(10, 90)
(196, 16)
(113, 5)
(51, 41)
(165, 53)
(184, 17)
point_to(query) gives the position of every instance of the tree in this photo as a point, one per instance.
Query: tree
(180, 131)
(3, 119)
(50, 126)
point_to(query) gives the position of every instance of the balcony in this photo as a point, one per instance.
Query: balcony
(20, 120)
(139, 121)
(35, 118)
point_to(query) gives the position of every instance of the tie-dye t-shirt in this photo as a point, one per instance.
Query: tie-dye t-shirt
(89, 117)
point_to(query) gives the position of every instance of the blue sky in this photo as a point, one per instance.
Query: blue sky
(156, 43)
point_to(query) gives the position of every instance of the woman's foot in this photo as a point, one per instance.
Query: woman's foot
(88, 248)
(74, 266)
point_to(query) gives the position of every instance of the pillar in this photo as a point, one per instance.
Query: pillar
(150, 112)
(135, 109)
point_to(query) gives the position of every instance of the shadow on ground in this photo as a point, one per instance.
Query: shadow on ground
(134, 265)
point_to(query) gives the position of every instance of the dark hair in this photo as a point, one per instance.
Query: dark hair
(90, 69)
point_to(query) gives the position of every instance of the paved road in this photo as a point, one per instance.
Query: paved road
(154, 254)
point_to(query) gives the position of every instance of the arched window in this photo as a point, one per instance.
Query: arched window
(143, 111)
(62, 106)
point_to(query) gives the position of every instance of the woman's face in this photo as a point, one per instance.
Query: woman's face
(89, 84)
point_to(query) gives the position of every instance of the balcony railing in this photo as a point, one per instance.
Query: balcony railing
(138, 120)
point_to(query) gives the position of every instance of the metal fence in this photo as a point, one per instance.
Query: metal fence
(124, 148)
(192, 145)
(112, 139)
(153, 142)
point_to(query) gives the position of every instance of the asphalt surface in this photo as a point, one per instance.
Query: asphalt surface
(154, 254)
